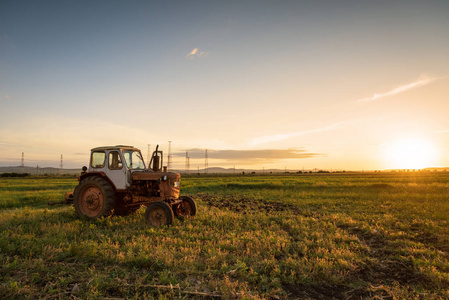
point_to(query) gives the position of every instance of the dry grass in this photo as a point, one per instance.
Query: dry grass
(327, 236)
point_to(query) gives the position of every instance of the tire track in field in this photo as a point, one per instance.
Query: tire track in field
(244, 204)
(383, 264)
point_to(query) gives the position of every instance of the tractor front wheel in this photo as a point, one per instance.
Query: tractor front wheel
(159, 214)
(186, 208)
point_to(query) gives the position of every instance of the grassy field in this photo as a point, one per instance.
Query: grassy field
(380, 235)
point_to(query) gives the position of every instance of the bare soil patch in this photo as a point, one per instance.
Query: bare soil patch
(244, 204)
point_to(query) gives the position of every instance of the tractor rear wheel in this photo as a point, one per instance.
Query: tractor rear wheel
(186, 208)
(94, 197)
(159, 214)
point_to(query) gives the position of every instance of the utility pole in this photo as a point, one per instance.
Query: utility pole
(206, 162)
(169, 156)
(22, 164)
(187, 162)
(60, 166)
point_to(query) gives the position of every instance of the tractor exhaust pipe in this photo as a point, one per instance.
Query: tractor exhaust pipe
(156, 160)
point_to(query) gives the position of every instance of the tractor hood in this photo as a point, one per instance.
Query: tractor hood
(169, 183)
(156, 176)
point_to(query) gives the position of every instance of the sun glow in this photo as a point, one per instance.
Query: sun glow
(410, 154)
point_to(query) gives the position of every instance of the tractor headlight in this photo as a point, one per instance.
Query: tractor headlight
(164, 178)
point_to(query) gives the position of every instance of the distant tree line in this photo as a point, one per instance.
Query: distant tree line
(15, 174)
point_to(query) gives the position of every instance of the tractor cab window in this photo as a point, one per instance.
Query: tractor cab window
(134, 160)
(115, 162)
(98, 158)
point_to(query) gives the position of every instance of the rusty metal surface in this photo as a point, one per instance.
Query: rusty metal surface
(155, 176)
(68, 199)
(145, 200)
(157, 217)
(102, 174)
(91, 201)
(159, 214)
(166, 189)
(182, 209)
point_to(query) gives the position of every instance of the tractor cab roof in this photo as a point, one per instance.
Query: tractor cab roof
(117, 147)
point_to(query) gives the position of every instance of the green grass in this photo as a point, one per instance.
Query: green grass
(349, 236)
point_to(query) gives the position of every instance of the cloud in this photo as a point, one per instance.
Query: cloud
(279, 137)
(442, 131)
(249, 156)
(195, 53)
(421, 82)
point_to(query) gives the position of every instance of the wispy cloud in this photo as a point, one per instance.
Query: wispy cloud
(195, 53)
(279, 137)
(250, 156)
(420, 82)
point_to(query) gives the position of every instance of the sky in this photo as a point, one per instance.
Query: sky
(353, 85)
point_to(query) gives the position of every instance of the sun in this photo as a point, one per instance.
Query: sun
(412, 153)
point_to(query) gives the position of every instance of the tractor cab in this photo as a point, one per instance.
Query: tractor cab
(117, 163)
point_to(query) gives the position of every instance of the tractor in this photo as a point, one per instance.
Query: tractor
(118, 183)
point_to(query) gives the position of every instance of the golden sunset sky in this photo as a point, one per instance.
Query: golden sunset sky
(261, 84)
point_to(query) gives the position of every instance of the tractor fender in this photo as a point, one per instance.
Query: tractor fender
(100, 174)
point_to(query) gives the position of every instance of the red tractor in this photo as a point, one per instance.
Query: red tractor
(118, 182)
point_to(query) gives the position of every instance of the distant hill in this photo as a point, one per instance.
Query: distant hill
(56, 171)
(437, 169)
(219, 170)
(212, 170)
(39, 171)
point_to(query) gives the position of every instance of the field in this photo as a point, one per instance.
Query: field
(319, 236)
